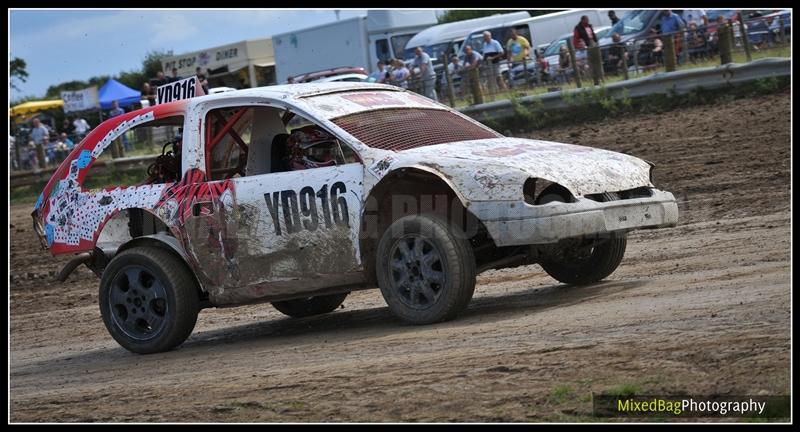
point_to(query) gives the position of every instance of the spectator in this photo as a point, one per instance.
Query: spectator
(400, 73)
(67, 127)
(12, 147)
(174, 76)
(160, 79)
(31, 157)
(149, 94)
(117, 111)
(613, 17)
(670, 22)
(564, 65)
(472, 61)
(696, 41)
(651, 52)
(583, 35)
(427, 75)
(61, 150)
(49, 150)
(696, 16)
(492, 53)
(38, 132)
(201, 78)
(68, 142)
(518, 47)
(379, 75)
(81, 128)
(454, 68)
(672, 25)
(543, 67)
(617, 54)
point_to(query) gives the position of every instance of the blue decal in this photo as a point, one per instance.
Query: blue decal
(48, 229)
(84, 159)
(39, 201)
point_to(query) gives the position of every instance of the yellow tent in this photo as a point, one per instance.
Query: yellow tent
(34, 106)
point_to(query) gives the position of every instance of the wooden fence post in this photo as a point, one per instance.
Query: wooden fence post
(575, 67)
(669, 54)
(745, 38)
(475, 86)
(725, 36)
(596, 64)
(450, 91)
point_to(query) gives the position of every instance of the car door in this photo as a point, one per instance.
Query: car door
(266, 233)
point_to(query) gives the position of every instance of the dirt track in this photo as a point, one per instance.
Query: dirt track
(702, 308)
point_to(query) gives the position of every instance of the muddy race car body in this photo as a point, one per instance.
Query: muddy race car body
(299, 194)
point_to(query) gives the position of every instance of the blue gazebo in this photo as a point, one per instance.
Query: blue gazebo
(114, 90)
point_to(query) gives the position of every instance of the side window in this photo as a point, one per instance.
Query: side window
(256, 140)
(227, 142)
(162, 138)
(308, 146)
(382, 49)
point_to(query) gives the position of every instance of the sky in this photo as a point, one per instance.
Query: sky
(65, 45)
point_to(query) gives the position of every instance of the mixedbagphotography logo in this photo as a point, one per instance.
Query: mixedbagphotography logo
(763, 407)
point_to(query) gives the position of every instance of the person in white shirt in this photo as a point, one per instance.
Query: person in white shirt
(81, 127)
(493, 53)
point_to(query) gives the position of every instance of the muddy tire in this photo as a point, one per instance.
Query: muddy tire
(425, 271)
(303, 307)
(149, 300)
(590, 261)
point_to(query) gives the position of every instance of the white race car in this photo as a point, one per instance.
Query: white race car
(374, 187)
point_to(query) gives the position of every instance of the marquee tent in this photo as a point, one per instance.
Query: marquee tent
(114, 90)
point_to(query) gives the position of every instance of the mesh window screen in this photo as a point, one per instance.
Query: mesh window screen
(403, 129)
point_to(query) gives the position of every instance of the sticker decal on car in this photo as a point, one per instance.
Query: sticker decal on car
(298, 210)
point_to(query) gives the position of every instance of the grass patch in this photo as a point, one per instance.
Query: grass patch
(561, 394)
(594, 104)
(625, 390)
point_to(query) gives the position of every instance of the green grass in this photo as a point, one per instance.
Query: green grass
(625, 390)
(29, 194)
(561, 394)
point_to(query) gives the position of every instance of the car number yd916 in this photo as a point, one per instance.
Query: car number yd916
(300, 210)
(183, 89)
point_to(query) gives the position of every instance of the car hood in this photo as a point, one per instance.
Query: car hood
(497, 168)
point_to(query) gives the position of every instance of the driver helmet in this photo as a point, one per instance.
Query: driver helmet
(310, 147)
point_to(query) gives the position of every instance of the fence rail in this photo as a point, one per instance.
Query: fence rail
(564, 66)
(679, 82)
(102, 166)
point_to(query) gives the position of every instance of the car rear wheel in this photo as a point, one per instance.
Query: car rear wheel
(303, 307)
(148, 300)
(584, 261)
(425, 271)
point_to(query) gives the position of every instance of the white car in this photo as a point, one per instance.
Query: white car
(353, 77)
(375, 187)
(216, 90)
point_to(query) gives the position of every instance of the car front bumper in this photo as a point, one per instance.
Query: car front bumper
(517, 223)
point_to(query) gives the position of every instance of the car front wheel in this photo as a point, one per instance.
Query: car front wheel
(584, 261)
(426, 272)
(148, 300)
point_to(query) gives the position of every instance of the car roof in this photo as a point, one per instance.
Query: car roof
(459, 29)
(299, 90)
